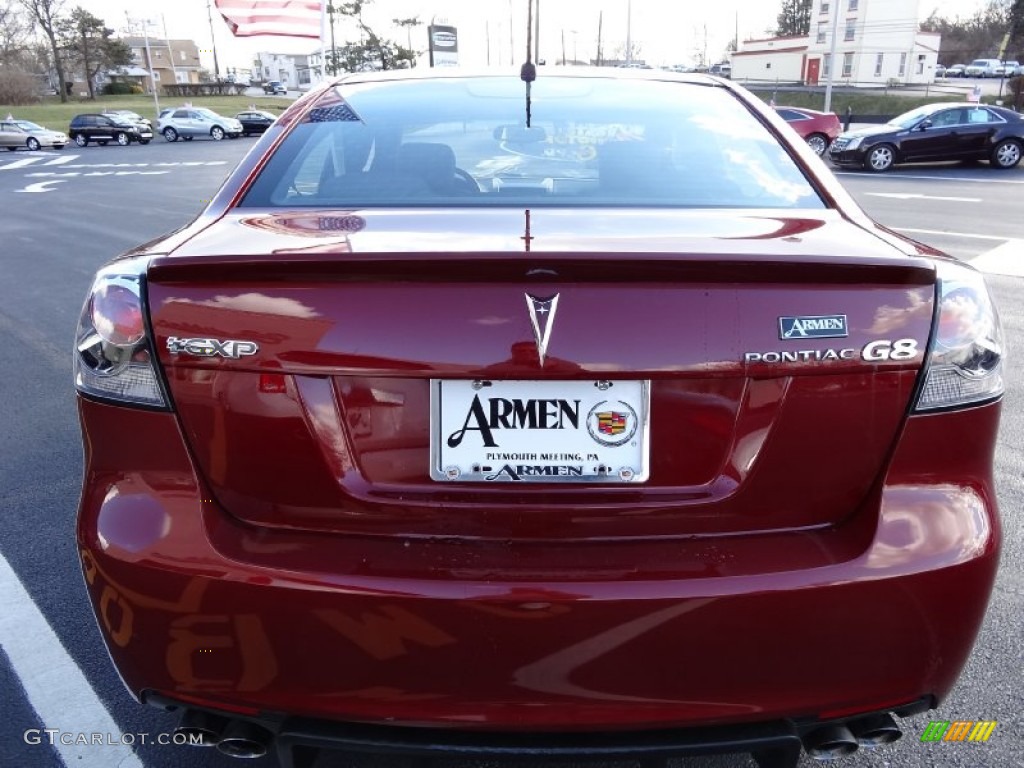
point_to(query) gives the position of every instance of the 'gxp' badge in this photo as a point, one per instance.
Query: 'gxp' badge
(232, 348)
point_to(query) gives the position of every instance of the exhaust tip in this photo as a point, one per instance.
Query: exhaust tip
(244, 740)
(201, 729)
(876, 730)
(830, 742)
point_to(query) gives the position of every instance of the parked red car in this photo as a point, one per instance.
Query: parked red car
(482, 417)
(818, 129)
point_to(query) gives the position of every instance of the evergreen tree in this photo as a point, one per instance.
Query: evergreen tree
(794, 18)
(91, 45)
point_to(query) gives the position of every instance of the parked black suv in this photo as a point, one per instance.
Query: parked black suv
(106, 128)
(275, 86)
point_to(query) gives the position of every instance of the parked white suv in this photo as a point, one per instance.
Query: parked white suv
(983, 68)
(189, 122)
(1008, 69)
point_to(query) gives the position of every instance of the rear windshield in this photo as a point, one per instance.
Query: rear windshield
(590, 142)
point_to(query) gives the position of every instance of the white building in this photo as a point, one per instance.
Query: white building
(292, 70)
(878, 42)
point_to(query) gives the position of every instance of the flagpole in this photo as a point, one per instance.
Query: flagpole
(323, 40)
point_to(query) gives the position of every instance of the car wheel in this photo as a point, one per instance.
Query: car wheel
(880, 158)
(217, 133)
(1006, 154)
(32, 143)
(170, 134)
(81, 140)
(122, 139)
(818, 142)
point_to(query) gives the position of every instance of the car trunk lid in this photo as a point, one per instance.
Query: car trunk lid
(775, 359)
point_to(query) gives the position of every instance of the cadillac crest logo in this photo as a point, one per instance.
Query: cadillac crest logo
(542, 318)
(612, 423)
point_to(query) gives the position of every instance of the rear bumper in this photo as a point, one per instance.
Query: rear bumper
(200, 608)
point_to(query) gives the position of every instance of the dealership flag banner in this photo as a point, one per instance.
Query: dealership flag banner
(285, 18)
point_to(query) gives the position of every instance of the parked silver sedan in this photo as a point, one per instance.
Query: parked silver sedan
(23, 133)
(189, 122)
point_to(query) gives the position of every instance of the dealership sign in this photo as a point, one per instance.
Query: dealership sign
(444, 46)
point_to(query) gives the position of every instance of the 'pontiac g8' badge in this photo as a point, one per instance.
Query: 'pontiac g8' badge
(232, 348)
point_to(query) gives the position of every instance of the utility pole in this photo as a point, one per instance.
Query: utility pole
(330, 20)
(629, 32)
(511, 35)
(213, 42)
(600, 53)
(149, 56)
(170, 53)
(536, 32)
(832, 58)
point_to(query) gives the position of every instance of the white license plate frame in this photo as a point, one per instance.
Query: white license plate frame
(540, 431)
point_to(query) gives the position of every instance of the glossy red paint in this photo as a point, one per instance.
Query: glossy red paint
(808, 122)
(273, 543)
(351, 452)
(539, 635)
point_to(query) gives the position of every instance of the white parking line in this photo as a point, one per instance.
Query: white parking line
(20, 163)
(897, 176)
(968, 235)
(914, 196)
(61, 160)
(1005, 259)
(53, 683)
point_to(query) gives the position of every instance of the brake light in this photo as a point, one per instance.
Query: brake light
(964, 364)
(113, 359)
(117, 313)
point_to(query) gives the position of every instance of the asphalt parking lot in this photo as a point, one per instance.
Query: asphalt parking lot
(65, 213)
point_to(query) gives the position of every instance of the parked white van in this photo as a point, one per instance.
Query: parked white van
(983, 68)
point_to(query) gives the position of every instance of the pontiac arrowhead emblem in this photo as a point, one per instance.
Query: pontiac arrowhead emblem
(542, 317)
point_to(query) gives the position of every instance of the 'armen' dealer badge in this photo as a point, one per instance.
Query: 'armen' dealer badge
(813, 327)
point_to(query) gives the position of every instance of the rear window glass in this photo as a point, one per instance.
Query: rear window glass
(590, 142)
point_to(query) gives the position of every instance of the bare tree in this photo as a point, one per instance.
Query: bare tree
(372, 51)
(47, 16)
(408, 24)
(993, 29)
(14, 38)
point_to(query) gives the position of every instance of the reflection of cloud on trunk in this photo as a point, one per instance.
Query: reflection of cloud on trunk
(551, 674)
(257, 303)
(889, 319)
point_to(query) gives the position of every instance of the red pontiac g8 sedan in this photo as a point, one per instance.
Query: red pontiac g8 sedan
(484, 415)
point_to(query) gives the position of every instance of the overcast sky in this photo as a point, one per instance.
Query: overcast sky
(667, 31)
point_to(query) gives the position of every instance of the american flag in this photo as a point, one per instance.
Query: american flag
(286, 18)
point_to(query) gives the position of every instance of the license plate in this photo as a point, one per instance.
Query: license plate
(503, 431)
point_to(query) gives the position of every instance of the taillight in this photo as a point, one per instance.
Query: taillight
(964, 364)
(113, 359)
